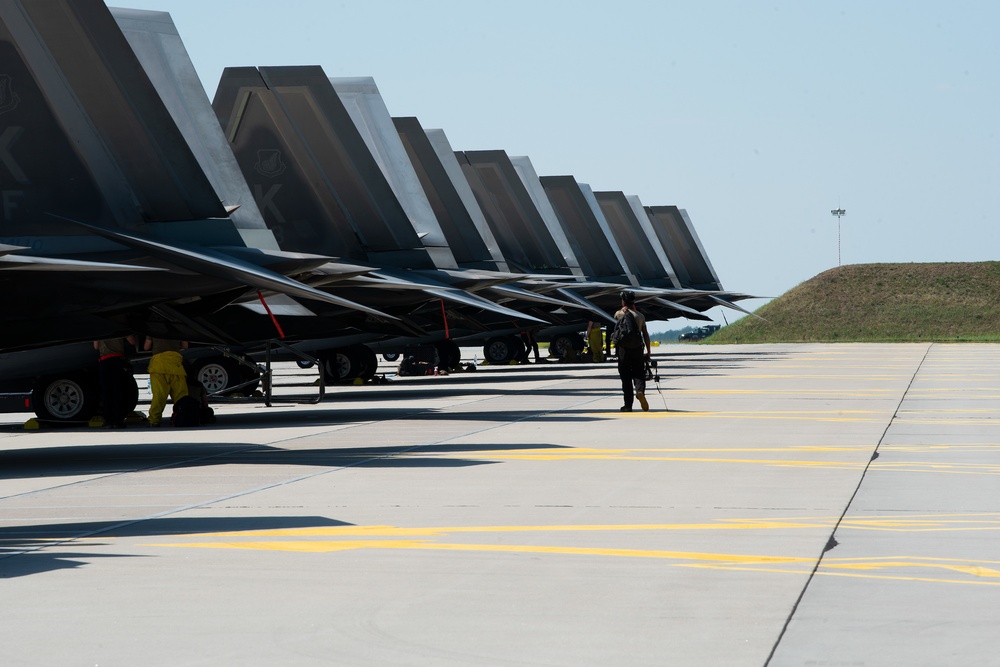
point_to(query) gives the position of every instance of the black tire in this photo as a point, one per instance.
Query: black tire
(560, 344)
(449, 354)
(66, 398)
(251, 375)
(303, 364)
(219, 375)
(390, 356)
(340, 365)
(367, 361)
(130, 394)
(502, 349)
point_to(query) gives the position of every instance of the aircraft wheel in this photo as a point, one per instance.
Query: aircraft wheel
(130, 393)
(219, 374)
(565, 342)
(340, 365)
(66, 398)
(502, 349)
(367, 361)
(390, 356)
(303, 364)
(449, 354)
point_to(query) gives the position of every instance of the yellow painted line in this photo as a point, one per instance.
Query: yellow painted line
(327, 546)
(918, 522)
(673, 414)
(675, 450)
(948, 469)
(952, 422)
(854, 575)
(974, 570)
(394, 531)
(388, 537)
(821, 376)
(766, 413)
(867, 393)
(940, 446)
(790, 463)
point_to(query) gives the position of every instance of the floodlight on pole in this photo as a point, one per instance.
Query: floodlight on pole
(839, 212)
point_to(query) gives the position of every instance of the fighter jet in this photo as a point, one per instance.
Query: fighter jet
(111, 223)
(97, 171)
(320, 186)
(634, 232)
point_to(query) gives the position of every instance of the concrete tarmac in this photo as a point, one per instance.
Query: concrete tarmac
(779, 505)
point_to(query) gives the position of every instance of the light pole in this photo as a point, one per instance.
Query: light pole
(839, 212)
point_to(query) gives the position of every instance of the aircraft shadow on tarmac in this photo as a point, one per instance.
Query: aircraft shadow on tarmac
(39, 546)
(75, 460)
(40, 550)
(437, 390)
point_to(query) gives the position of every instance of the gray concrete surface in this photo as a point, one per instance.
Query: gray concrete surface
(513, 516)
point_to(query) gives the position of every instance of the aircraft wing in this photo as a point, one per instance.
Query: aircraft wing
(216, 264)
(585, 304)
(467, 299)
(28, 263)
(517, 292)
(389, 279)
(476, 279)
(7, 249)
(729, 304)
(679, 307)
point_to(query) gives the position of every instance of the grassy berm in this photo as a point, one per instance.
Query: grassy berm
(881, 303)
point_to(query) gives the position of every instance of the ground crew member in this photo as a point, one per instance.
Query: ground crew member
(595, 340)
(111, 368)
(632, 354)
(166, 375)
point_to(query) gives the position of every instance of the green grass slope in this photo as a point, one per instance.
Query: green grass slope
(881, 303)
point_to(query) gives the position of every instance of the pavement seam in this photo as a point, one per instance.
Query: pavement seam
(831, 542)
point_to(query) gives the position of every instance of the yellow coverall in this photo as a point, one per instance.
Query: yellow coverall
(595, 340)
(166, 376)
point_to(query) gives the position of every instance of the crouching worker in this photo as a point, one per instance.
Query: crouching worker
(166, 375)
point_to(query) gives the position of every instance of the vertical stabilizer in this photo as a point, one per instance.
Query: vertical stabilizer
(599, 259)
(676, 233)
(72, 65)
(636, 238)
(315, 180)
(361, 97)
(516, 222)
(155, 41)
(449, 161)
(471, 248)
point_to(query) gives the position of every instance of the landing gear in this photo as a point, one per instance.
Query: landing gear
(66, 398)
(349, 363)
(563, 343)
(502, 349)
(449, 354)
(224, 375)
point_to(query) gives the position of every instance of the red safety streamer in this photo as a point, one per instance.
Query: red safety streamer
(274, 320)
(444, 317)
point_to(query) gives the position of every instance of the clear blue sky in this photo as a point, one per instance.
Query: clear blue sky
(758, 118)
